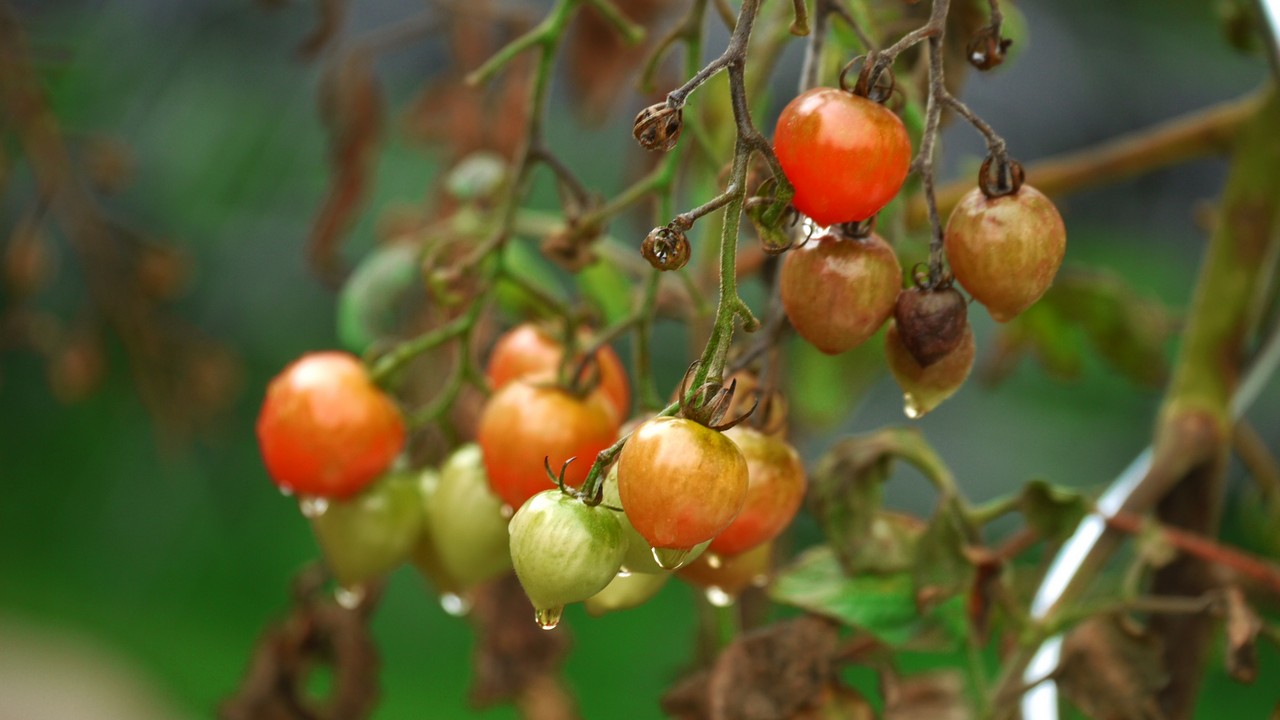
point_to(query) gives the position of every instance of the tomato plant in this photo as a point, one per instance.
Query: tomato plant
(775, 489)
(563, 551)
(528, 423)
(1005, 249)
(846, 155)
(837, 292)
(681, 483)
(325, 429)
(529, 350)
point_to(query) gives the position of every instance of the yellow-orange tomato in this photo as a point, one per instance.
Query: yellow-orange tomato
(527, 421)
(730, 575)
(680, 482)
(775, 489)
(527, 350)
(325, 429)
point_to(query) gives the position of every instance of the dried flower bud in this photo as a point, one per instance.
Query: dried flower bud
(657, 127)
(931, 323)
(987, 49)
(666, 248)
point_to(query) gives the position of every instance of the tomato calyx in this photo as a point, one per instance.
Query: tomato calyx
(773, 216)
(1000, 176)
(858, 230)
(875, 81)
(708, 404)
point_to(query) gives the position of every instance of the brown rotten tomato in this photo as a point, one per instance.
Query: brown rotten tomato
(529, 350)
(681, 483)
(924, 388)
(531, 421)
(837, 292)
(1005, 250)
(325, 429)
(775, 489)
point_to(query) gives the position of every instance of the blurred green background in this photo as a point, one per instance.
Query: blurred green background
(166, 560)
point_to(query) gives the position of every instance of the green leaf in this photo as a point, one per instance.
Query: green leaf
(847, 489)
(941, 570)
(368, 304)
(1053, 512)
(608, 289)
(883, 605)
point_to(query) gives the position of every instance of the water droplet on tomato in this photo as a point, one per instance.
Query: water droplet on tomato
(313, 506)
(287, 492)
(624, 572)
(671, 558)
(548, 618)
(350, 597)
(507, 512)
(912, 407)
(714, 561)
(454, 604)
(718, 597)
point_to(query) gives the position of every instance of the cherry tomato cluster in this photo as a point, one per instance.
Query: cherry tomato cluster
(677, 489)
(847, 157)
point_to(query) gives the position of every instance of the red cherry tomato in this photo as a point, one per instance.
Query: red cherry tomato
(527, 421)
(529, 350)
(847, 156)
(325, 429)
(838, 292)
(775, 488)
(681, 483)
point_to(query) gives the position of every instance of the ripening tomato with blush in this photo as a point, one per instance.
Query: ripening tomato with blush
(532, 421)
(528, 349)
(775, 489)
(326, 429)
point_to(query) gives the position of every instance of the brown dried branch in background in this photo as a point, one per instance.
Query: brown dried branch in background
(184, 377)
(317, 633)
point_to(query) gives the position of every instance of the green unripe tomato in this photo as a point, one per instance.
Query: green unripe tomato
(368, 535)
(370, 301)
(625, 592)
(465, 521)
(564, 551)
(425, 555)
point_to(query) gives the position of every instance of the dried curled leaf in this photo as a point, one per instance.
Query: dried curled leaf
(771, 673)
(1242, 628)
(928, 696)
(1110, 670)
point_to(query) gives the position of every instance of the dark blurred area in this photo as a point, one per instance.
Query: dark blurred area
(142, 547)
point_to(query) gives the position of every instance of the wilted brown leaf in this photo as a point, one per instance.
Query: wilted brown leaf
(1110, 671)
(512, 654)
(1242, 627)
(601, 63)
(928, 696)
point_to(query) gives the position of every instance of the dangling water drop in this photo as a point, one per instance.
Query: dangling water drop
(671, 558)
(714, 561)
(760, 580)
(507, 512)
(286, 491)
(624, 572)
(718, 597)
(454, 604)
(349, 598)
(313, 506)
(548, 618)
(912, 407)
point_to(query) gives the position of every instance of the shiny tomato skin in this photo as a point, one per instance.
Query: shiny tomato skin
(837, 292)
(730, 575)
(325, 429)
(775, 489)
(847, 156)
(529, 420)
(527, 350)
(1005, 250)
(681, 483)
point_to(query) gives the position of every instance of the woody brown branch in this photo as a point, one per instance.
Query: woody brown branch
(1204, 132)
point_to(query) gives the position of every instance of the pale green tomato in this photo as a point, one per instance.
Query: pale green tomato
(563, 550)
(625, 592)
(369, 534)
